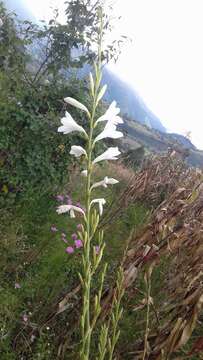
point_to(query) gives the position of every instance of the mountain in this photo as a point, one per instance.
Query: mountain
(129, 101)
(154, 141)
(182, 140)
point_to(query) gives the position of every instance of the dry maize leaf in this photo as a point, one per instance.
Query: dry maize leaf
(172, 339)
(130, 275)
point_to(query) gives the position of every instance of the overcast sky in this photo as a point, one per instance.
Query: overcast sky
(164, 62)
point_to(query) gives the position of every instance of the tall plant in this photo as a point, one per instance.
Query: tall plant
(92, 254)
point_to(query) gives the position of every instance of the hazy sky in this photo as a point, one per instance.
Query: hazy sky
(164, 62)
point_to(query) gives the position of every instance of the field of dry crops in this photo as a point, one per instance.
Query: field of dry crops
(173, 236)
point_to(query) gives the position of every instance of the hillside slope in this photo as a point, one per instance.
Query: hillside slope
(137, 135)
(129, 101)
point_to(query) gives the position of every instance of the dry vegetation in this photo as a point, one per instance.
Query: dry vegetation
(173, 236)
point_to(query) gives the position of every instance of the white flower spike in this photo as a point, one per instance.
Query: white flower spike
(110, 154)
(109, 132)
(105, 182)
(100, 202)
(69, 125)
(76, 103)
(69, 208)
(77, 151)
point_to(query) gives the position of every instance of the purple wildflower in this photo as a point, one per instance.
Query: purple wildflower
(53, 228)
(63, 237)
(69, 250)
(79, 227)
(69, 201)
(60, 198)
(97, 249)
(78, 244)
(74, 237)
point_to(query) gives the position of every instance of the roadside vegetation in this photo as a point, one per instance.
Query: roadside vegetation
(153, 218)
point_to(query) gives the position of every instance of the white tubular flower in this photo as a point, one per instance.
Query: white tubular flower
(105, 182)
(111, 115)
(84, 173)
(100, 202)
(109, 132)
(76, 103)
(77, 151)
(69, 208)
(110, 154)
(70, 125)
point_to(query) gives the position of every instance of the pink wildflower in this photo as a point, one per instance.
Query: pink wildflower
(79, 227)
(69, 201)
(53, 228)
(97, 249)
(69, 250)
(74, 237)
(59, 198)
(78, 244)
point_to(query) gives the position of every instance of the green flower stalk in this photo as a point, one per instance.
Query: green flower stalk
(92, 255)
(116, 313)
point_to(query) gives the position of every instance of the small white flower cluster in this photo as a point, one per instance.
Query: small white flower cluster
(110, 131)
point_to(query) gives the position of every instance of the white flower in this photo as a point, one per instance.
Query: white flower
(84, 172)
(100, 202)
(109, 132)
(77, 151)
(111, 115)
(110, 154)
(69, 208)
(105, 182)
(76, 103)
(70, 125)
(1, 22)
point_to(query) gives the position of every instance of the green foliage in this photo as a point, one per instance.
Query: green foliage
(32, 154)
(31, 151)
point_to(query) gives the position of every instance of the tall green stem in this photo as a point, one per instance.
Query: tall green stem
(87, 260)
